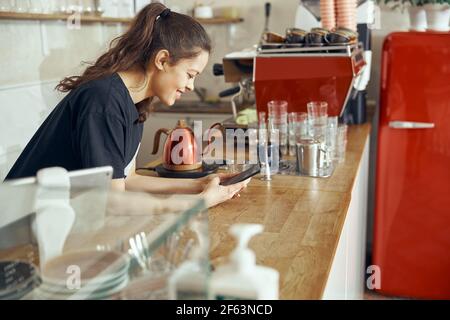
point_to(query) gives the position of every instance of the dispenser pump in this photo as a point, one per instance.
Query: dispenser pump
(242, 258)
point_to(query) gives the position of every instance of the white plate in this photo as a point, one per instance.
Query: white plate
(39, 294)
(96, 267)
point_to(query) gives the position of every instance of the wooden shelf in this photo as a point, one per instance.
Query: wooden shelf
(95, 18)
(220, 20)
(48, 17)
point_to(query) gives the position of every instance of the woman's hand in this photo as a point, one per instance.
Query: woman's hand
(204, 181)
(214, 193)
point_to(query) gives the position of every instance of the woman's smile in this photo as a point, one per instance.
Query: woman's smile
(179, 93)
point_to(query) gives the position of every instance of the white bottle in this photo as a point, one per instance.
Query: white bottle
(190, 280)
(241, 278)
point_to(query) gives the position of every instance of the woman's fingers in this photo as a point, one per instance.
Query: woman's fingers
(236, 188)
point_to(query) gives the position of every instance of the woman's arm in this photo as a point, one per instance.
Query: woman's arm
(140, 202)
(136, 182)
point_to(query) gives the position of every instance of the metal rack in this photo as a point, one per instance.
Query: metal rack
(274, 49)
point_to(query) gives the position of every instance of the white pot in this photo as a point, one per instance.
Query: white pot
(203, 12)
(417, 18)
(438, 16)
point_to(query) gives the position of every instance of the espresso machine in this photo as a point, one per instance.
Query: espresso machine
(308, 16)
(336, 74)
(238, 71)
(298, 73)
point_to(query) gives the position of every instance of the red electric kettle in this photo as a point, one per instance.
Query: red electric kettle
(181, 151)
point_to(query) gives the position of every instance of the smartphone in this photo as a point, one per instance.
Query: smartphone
(244, 175)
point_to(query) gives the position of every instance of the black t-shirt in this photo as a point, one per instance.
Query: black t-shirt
(94, 125)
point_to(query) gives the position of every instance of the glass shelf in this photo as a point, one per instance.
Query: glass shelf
(115, 249)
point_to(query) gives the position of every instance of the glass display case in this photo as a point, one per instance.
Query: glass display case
(80, 240)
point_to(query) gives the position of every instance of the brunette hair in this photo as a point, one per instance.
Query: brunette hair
(154, 28)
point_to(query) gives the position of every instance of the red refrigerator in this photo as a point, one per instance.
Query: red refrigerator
(412, 194)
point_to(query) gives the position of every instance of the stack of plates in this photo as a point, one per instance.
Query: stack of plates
(17, 279)
(84, 275)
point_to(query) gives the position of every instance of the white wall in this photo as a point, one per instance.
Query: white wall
(34, 56)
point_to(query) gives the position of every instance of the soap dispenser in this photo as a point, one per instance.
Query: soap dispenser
(241, 277)
(190, 280)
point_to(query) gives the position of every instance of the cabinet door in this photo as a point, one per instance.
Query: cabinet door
(347, 274)
(169, 121)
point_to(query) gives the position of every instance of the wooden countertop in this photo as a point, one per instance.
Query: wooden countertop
(302, 217)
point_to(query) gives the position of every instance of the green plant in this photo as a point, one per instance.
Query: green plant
(422, 2)
(395, 4)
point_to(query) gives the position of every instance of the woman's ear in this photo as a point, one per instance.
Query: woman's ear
(161, 58)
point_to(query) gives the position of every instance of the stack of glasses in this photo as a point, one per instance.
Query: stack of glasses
(268, 145)
(331, 136)
(278, 115)
(298, 129)
(341, 143)
(325, 129)
(284, 131)
(317, 118)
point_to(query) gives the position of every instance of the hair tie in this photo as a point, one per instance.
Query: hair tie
(163, 14)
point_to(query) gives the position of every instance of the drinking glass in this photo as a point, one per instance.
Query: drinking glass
(278, 112)
(331, 136)
(341, 142)
(298, 130)
(317, 118)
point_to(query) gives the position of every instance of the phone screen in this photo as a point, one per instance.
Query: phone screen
(244, 175)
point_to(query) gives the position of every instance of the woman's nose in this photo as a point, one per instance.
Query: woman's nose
(190, 86)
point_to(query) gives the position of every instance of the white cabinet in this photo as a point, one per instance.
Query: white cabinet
(346, 278)
(167, 120)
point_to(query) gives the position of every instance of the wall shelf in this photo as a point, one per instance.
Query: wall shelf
(96, 18)
(220, 20)
(61, 16)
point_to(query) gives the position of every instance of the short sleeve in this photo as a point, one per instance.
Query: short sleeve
(101, 139)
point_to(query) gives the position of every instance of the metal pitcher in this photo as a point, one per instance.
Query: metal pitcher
(312, 157)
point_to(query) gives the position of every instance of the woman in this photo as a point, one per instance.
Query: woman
(100, 121)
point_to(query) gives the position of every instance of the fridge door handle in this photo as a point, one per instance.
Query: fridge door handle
(410, 125)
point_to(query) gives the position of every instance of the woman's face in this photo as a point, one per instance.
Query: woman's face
(174, 80)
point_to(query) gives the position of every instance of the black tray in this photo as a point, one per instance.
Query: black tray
(205, 170)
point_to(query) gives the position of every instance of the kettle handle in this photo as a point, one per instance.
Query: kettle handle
(157, 138)
(217, 124)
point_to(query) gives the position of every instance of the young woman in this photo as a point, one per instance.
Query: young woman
(100, 121)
